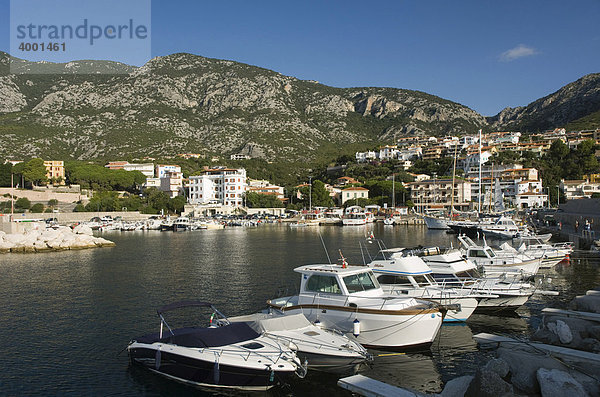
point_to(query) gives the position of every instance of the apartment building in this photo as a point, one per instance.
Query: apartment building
(576, 189)
(223, 186)
(438, 193)
(55, 170)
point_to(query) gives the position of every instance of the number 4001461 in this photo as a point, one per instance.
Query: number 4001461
(42, 47)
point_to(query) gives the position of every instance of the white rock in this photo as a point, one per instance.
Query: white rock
(83, 229)
(562, 330)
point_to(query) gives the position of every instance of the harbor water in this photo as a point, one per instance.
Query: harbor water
(67, 316)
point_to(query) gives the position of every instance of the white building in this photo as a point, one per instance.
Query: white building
(363, 157)
(152, 182)
(263, 186)
(161, 169)
(146, 169)
(579, 188)
(531, 200)
(356, 192)
(223, 186)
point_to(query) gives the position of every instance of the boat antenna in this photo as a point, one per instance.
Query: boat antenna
(325, 248)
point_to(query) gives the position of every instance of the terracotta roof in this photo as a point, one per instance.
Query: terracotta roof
(355, 188)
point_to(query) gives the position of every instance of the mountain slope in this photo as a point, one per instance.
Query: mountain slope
(572, 102)
(182, 102)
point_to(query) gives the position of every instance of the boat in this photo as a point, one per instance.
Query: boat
(450, 269)
(388, 221)
(229, 356)
(504, 228)
(436, 223)
(321, 349)
(181, 224)
(398, 272)
(496, 262)
(549, 254)
(349, 299)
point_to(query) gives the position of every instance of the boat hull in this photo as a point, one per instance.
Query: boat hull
(203, 373)
(436, 223)
(383, 329)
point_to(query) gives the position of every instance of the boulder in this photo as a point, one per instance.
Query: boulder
(524, 364)
(488, 384)
(562, 330)
(557, 383)
(586, 303)
(498, 366)
(457, 386)
(83, 229)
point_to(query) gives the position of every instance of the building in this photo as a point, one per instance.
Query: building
(162, 169)
(221, 186)
(239, 156)
(262, 186)
(116, 165)
(152, 182)
(344, 181)
(146, 168)
(530, 200)
(576, 189)
(171, 183)
(438, 193)
(55, 171)
(352, 193)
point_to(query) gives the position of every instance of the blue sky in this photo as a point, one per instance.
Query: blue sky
(486, 55)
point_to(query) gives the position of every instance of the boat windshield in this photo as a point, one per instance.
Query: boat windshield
(490, 253)
(323, 283)
(360, 282)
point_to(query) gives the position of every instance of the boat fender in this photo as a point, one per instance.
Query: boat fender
(212, 317)
(318, 323)
(157, 359)
(356, 328)
(272, 376)
(216, 373)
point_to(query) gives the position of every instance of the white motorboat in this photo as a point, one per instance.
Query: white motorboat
(354, 216)
(349, 299)
(495, 262)
(550, 255)
(181, 224)
(435, 223)
(232, 356)
(450, 269)
(403, 274)
(504, 227)
(321, 349)
(388, 221)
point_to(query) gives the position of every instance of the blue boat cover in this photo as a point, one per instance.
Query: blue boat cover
(204, 337)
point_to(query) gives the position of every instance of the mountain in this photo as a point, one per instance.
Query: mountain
(188, 103)
(579, 100)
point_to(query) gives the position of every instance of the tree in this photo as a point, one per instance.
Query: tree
(35, 171)
(23, 203)
(259, 200)
(79, 208)
(6, 170)
(37, 208)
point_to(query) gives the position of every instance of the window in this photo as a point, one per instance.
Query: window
(391, 279)
(360, 282)
(320, 283)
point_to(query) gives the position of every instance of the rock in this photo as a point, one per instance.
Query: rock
(498, 366)
(457, 386)
(524, 365)
(488, 384)
(557, 383)
(586, 303)
(562, 330)
(83, 229)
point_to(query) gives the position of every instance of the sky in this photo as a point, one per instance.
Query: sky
(486, 55)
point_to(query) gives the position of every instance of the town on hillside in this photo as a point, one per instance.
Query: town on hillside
(415, 174)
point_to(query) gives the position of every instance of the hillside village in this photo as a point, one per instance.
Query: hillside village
(219, 188)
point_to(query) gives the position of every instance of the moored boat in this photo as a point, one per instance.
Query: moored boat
(349, 299)
(232, 356)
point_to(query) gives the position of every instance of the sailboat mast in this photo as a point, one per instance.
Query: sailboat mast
(480, 192)
(393, 194)
(491, 186)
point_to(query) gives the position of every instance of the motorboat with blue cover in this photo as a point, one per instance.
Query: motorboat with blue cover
(230, 356)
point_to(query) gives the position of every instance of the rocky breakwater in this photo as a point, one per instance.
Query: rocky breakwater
(41, 239)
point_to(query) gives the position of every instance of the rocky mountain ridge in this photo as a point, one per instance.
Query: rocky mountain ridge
(187, 103)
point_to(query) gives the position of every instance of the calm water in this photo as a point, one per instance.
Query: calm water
(67, 316)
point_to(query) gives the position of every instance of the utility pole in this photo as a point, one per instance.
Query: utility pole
(12, 197)
(310, 194)
(393, 194)
(480, 192)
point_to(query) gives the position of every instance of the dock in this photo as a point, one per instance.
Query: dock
(369, 387)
